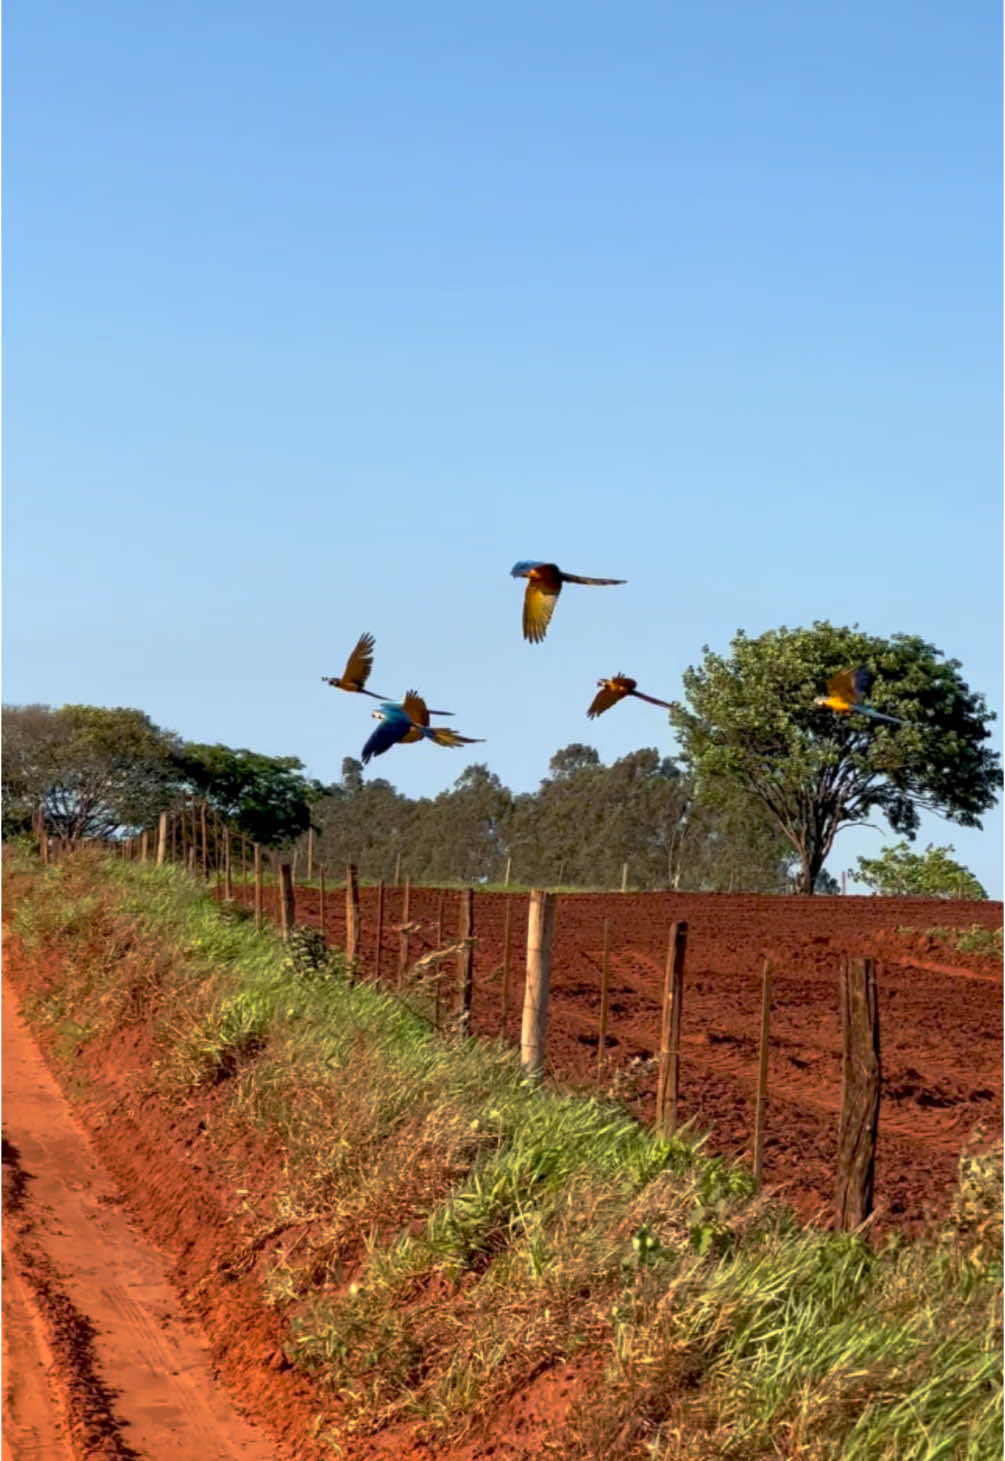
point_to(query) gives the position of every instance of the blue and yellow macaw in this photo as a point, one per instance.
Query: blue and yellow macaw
(357, 669)
(845, 691)
(409, 721)
(615, 689)
(544, 584)
(357, 672)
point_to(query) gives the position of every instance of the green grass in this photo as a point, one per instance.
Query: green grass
(973, 940)
(436, 1230)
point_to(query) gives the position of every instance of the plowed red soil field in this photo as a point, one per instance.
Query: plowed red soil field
(940, 1018)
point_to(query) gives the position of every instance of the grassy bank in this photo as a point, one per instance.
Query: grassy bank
(440, 1236)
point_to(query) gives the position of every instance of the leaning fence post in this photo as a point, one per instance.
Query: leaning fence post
(505, 967)
(258, 886)
(162, 833)
(856, 1158)
(540, 923)
(465, 958)
(604, 969)
(380, 929)
(403, 933)
(351, 912)
(202, 823)
(287, 905)
(762, 1072)
(673, 990)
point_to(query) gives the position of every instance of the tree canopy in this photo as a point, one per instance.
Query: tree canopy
(898, 872)
(92, 770)
(265, 797)
(750, 725)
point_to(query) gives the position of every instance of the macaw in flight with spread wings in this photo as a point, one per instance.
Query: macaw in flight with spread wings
(407, 722)
(357, 672)
(845, 691)
(544, 584)
(615, 689)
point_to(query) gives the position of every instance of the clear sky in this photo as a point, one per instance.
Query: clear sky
(319, 316)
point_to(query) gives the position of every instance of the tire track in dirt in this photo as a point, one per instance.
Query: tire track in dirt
(129, 1376)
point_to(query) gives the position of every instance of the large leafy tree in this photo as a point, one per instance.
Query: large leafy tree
(92, 770)
(751, 725)
(898, 872)
(265, 797)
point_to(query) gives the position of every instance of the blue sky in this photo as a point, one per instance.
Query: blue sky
(318, 317)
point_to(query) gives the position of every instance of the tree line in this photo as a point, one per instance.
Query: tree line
(765, 779)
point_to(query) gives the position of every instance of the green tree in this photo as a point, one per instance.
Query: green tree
(94, 771)
(265, 797)
(751, 725)
(898, 872)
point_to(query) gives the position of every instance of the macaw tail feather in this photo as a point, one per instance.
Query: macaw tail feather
(652, 701)
(444, 736)
(877, 714)
(578, 578)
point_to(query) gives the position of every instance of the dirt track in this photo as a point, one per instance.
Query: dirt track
(940, 1017)
(98, 1359)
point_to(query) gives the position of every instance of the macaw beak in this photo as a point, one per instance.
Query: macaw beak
(377, 714)
(820, 700)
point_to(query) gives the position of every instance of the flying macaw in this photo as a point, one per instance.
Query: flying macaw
(409, 721)
(844, 695)
(357, 669)
(544, 584)
(357, 672)
(615, 689)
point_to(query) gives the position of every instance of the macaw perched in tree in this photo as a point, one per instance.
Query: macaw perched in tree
(844, 695)
(615, 689)
(409, 721)
(544, 584)
(357, 672)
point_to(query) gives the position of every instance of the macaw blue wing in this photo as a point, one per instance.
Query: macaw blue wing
(861, 679)
(392, 729)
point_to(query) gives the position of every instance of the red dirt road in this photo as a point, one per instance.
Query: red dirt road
(98, 1360)
(940, 1018)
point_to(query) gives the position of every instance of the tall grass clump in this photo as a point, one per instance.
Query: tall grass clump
(440, 1234)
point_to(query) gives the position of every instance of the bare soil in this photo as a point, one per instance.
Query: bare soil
(940, 1017)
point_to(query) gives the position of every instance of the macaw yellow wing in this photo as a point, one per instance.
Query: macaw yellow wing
(360, 662)
(415, 708)
(538, 607)
(610, 692)
(842, 687)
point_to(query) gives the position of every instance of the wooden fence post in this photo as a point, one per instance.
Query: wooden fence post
(205, 850)
(505, 968)
(540, 925)
(287, 904)
(162, 837)
(673, 991)
(380, 929)
(228, 883)
(762, 1072)
(624, 877)
(351, 912)
(144, 845)
(310, 853)
(509, 864)
(602, 1041)
(258, 886)
(856, 1157)
(321, 892)
(465, 959)
(397, 871)
(403, 935)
